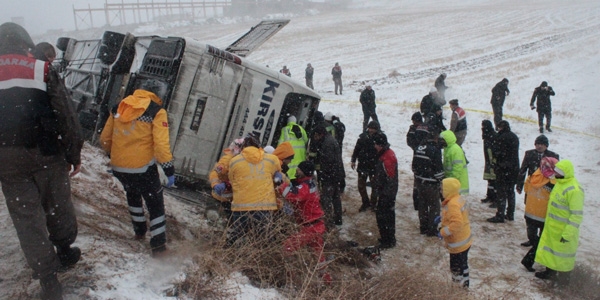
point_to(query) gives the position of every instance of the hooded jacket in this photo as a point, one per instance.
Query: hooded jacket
(304, 196)
(455, 163)
(506, 154)
(136, 134)
(297, 137)
(36, 108)
(537, 191)
(220, 174)
(563, 219)
(455, 228)
(251, 175)
(488, 134)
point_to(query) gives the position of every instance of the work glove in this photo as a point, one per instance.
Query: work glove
(278, 178)
(353, 165)
(437, 220)
(287, 209)
(171, 180)
(220, 188)
(532, 107)
(439, 235)
(562, 240)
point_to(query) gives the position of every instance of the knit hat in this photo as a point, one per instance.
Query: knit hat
(547, 166)
(284, 150)
(269, 149)
(417, 117)
(433, 90)
(544, 83)
(291, 119)
(374, 125)
(307, 167)
(542, 140)
(328, 116)
(453, 102)
(380, 139)
(236, 146)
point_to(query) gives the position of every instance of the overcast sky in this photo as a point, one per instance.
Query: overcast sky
(41, 15)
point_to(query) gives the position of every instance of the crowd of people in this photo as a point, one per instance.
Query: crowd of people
(303, 176)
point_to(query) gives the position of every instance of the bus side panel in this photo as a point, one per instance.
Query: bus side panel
(266, 99)
(203, 124)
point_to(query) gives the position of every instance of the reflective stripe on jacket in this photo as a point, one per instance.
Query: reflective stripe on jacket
(137, 134)
(455, 227)
(563, 219)
(299, 145)
(455, 163)
(537, 189)
(251, 176)
(220, 174)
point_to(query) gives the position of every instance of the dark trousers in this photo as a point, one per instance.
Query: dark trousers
(415, 194)
(38, 198)
(386, 220)
(491, 191)
(362, 189)
(367, 115)
(331, 203)
(534, 232)
(146, 186)
(506, 195)
(497, 114)
(338, 85)
(309, 83)
(253, 224)
(429, 206)
(541, 115)
(459, 266)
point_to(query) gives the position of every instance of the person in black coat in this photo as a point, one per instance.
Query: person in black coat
(499, 93)
(440, 85)
(531, 162)
(488, 134)
(330, 174)
(366, 155)
(386, 185)
(506, 152)
(532, 159)
(367, 101)
(417, 134)
(429, 171)
(544, 107)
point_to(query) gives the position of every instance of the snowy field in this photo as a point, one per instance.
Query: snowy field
(398, 47)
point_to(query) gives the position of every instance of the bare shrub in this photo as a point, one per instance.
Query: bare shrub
(299, 275)
(394, 74)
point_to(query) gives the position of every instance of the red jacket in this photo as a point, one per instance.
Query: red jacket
(304, 196)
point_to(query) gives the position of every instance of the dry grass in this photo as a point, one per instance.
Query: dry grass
(298, 276)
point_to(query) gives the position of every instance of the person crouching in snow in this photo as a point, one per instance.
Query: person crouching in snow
(305, 200)
(455, 230)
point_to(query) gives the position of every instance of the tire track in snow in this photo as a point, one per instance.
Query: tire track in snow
(490, 59)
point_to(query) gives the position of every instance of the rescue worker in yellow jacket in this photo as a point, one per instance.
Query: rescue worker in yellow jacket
(219, 175)
(251, 174)
(455, 229)
(560, 238)
(296, 135)
(537, 190)
(136, 136)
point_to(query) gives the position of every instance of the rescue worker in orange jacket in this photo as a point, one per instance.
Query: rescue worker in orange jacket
(219, 175)
(136, 136)
(251, 174)
(455, 229)
(537, 190)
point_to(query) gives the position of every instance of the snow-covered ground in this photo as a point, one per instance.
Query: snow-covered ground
(398, 47)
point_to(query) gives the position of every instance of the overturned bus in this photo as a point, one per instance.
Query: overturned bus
(212, 96)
